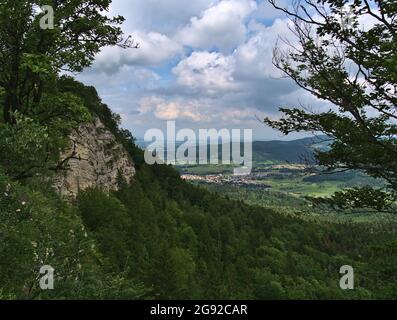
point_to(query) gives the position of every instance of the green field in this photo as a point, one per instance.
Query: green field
(284, 188)
(298, 187)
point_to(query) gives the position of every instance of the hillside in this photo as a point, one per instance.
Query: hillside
(276, 151)
(161, 237)
(295, 151)
(85, 215)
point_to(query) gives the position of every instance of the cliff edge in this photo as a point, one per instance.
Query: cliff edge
(96, 159)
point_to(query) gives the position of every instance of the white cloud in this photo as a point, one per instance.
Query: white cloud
(247, 74)
(163, 16)
(205, 72)
(201, 113)
(171, 110)
(206, 64)
(155, 49)
(254, 59)
(221, 26)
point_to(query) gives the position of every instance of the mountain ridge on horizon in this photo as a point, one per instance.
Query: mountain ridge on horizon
(315, 139)
(292, 151)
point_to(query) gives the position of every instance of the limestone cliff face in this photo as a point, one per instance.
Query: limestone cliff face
(96, 159)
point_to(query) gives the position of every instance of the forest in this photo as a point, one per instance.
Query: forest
(161, 237)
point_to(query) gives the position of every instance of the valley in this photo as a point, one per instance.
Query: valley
(280, 166)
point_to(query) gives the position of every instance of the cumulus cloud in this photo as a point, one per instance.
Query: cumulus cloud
(203, 113)
(171, 110)
(207, 73)
(206, 65)
(254, 58)
(155, 49)
(246, 76)
(221, 26)
(164, 16)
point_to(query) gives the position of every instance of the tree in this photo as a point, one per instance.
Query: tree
(38, 113)
(30, 55)
(354, 67)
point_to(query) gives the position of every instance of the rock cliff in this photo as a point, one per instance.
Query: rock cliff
(95, 160)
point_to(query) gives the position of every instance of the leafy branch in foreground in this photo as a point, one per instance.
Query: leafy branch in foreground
(37, 116)
(354, 68)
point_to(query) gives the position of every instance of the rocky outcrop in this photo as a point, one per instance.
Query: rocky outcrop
(95, 159)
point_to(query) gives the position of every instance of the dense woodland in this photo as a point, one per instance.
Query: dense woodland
(158, 237)
(161, 237)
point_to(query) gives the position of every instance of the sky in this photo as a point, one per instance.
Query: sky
(203, 63)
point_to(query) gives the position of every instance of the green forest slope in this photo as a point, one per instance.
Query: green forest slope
(161, 237)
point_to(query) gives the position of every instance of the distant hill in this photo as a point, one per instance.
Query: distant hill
(294, 151)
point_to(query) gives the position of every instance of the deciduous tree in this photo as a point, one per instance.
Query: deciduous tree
(346, 54)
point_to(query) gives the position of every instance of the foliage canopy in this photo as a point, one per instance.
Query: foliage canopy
(346, 54)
